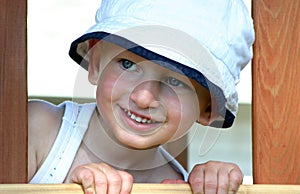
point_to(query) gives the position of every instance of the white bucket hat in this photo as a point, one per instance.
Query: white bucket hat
(208, 41)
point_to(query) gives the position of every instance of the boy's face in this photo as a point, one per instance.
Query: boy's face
(142, 104)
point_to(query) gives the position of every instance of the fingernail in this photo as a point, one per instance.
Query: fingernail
(89, 191)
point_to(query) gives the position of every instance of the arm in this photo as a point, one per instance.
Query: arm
(44, 120)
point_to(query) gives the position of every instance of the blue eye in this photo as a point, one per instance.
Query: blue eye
(126, 64)
(174, 82)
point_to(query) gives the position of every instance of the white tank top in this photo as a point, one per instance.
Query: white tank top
(60, 158)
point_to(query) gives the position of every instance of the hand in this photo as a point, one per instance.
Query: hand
(215, 177)
(100, 178)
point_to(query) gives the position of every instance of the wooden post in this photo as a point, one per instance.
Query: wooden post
(276, 92)
(13, 91)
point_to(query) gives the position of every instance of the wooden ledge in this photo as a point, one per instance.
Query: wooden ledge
(141, 189)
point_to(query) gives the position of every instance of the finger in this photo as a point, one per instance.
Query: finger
(112, 179)
(127, 182)
(100, 183)
(235, 180)
(210, 180)
(84, 176)
(196, 179)
(223, 181)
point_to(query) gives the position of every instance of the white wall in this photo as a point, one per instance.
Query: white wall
(52, 26)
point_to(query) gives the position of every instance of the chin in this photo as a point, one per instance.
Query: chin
(137, 143)
(144, 147)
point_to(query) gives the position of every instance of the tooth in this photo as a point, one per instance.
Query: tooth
(138, 119)
(127, 112)
(144, 120)
(133, 116)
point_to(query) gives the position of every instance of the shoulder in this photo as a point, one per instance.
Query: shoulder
(43, 111)
(44, 121)
(43, 117)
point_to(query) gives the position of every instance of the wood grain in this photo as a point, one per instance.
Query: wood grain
(13, 91)
(141, 189)
(276, 92)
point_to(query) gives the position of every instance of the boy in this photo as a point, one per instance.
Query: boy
(159, 67)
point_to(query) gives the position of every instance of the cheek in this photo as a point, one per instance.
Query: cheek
(109, 83)
(183, 104)
(105, 88)
(191, 109)
(183, 112)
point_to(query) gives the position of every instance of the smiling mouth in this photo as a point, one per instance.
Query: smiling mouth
(138, 118)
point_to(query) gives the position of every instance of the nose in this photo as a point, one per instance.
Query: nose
(145, 95)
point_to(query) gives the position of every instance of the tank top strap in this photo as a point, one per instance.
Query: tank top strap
(60, 158)
(174, 163)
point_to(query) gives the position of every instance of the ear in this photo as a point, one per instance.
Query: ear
(208, 114)
(94, 61)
